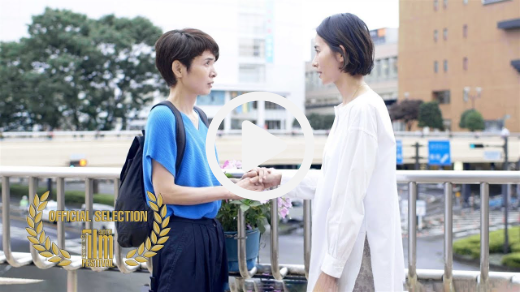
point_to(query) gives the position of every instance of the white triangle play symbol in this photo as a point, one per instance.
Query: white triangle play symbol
(258, 146)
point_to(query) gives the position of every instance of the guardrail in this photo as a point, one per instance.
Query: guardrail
(483, 279)
(131, 134)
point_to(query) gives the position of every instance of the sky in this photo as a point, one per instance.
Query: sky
(16, 15)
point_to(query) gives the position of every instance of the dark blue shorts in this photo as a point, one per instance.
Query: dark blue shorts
(192, 259)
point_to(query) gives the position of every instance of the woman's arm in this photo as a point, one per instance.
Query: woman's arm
(164, 183)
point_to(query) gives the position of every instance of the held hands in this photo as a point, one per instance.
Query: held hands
(267, 177)
(257, 179)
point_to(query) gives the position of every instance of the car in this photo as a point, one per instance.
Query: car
(51, 206)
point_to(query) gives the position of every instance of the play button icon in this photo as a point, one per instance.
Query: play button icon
(258, 146)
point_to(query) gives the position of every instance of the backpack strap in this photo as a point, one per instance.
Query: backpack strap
(202, 115)
(180, 136)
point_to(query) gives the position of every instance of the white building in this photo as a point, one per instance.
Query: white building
(260, 50)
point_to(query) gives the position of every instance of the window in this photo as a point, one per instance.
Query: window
(251, 73)
(272, 106)
(445, 34)
(435, 35)
(216, 97)
(445, 65)
(273, 125)
(386, 68)
(443, 97)
(465, 63)
(435, 4)
(251, 47)
(465, 31)
(395, 66)
(435, 67)
(378, 68)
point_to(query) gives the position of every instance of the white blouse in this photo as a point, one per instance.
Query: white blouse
(355, 195)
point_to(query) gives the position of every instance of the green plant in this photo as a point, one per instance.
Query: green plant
(462, 122)
(512, 260)
(474, 121)
(430, 115)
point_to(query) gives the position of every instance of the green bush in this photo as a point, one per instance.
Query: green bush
(71, 197)
(471, 245)
(512, 260)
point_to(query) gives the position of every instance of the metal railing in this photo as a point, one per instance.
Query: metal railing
(277, 271)
(131, 133)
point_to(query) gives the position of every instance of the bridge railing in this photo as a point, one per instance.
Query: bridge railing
(70, 135)
(483, 280)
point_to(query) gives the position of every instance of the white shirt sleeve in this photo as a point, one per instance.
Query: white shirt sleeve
(356, 161)
(306, 188)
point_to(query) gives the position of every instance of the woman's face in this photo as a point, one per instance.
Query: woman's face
(202, 71)
(326, 62)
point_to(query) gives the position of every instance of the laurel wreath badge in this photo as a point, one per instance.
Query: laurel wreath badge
(37, 237)
(157, 238)
(54, 254)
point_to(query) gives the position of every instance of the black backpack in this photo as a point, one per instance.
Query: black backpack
(131, 188)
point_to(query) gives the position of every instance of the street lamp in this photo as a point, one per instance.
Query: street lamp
(468, 96)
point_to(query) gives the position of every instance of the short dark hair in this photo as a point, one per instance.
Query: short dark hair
(183, 45)
(350, 31)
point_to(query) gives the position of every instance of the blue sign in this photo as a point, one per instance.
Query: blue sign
(399, 154)
(439, 152)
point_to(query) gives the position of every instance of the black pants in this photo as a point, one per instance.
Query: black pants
(192, 259)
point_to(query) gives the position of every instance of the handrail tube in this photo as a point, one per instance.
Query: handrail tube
(483, 280)
(6, 226)
(412, 241)
(89, 201)
(448, 237)
(307, 229)
(241, 240)
(34, 253)
(277, 273)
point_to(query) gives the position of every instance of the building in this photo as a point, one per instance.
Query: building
(257, 43)
(320, 99)
(464, 54)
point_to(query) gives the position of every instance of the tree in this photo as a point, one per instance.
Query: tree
(474, 121)
(430, 115)
(462, 122)
(406, 111)
(83, 73)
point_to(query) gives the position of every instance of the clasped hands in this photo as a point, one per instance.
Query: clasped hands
(259, 179)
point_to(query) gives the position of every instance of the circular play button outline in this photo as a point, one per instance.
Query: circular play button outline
(282, 189)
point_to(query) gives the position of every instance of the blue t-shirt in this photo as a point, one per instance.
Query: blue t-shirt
(160, 145)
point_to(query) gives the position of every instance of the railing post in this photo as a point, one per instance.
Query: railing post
(307, 230)
(241, 241)
(275, 269)
(483, 283)
(89, 201)
(412, 242)
(34, 253)
(447, 279)
(6, 226)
